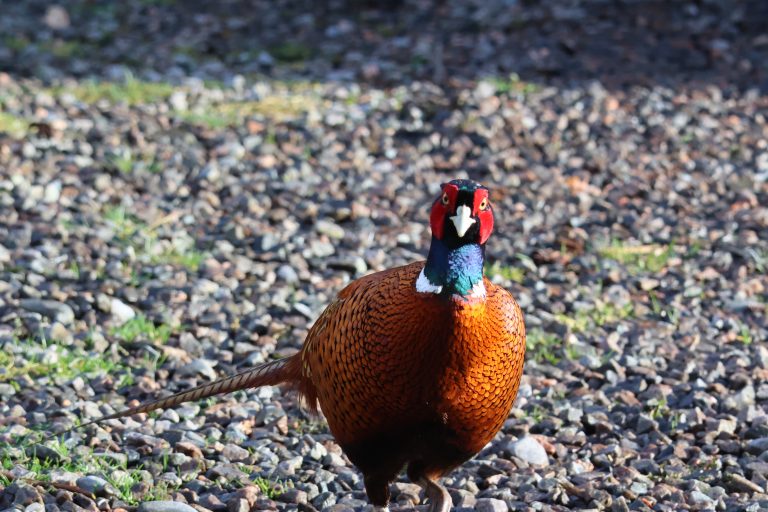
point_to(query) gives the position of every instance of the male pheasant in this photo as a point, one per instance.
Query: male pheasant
(417, 365)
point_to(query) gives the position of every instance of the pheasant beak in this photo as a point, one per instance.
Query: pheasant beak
(462, 220)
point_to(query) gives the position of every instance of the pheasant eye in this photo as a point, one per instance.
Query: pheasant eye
(445, 199)
(484, 204)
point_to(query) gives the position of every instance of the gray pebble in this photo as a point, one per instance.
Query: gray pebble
(529, 450)
(164, 506)
(51, 309)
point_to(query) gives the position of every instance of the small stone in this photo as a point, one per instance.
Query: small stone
(646, 424)
(227, 472)
(407, 492)
(212, 502)
(238, 505)
(318, 451)
(234, 453)
(491, 505)
(51, 309)
(52, 192)
(96, 485)
(43, 453)
(647, 284)
(296, 496)
(56, 17)
(57, 332)
(742, 399)
(330, 229)
(699, 499)
(737, 483)
(198, 367)
(22, 494)
(164, 506)
(529, 450)
(178, 101)
(287, 274)
(121, 312)
(35, 507)
(333, 459)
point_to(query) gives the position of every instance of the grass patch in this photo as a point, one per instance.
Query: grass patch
(190, 258)
(601, 313)
(277, 107)
(131, 231)
(512, 85)
(124, 224)
(543, 346)
(639, 258)
(85, 461)
(142, 327)
(13, 125)
(271, 488)
(745, 335)
(63, 49)
(670, 313)
(131, 92)
(760, 258)
(42, 358)
(291, 52)
(123, 163)
(16, 43)
(508, 272)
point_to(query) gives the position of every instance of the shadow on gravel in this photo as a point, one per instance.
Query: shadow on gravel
(561, 42)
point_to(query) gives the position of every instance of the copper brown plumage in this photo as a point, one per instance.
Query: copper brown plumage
(415, 366)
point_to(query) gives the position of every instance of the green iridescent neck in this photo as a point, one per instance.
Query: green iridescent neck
(455, 271)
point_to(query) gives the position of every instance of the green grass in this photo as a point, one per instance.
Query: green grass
(508, 272)
(272, 488)
(144, 328)
(84, 461)
(760, 258)
(745, 335)
(190, 258)
(276, 107)
(131, 231)
(16, 43)
(599, 314)
(43, 358)
(512, 84)
(639, 258)
(123, 163)
(124, 224)
(537, 413)
(290, 52)
(669, 313)
(13, 125)
(658, 407)
(543, 346)
(63, 49)
(131, 92)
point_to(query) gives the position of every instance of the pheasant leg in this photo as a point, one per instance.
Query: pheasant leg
(377, 488)
(440, 500)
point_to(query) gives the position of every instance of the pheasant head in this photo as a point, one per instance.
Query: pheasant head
(461, 221)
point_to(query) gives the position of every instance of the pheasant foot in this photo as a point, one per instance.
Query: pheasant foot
(440, 500)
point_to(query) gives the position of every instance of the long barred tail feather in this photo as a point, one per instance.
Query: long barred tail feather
(267, 374)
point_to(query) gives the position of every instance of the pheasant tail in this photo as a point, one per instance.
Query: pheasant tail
(267, 374)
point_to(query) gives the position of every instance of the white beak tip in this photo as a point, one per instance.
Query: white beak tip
(462, 220)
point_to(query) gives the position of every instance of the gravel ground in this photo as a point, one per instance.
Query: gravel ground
(183, 188)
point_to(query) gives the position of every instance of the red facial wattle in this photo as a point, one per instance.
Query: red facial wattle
(440, 210)
(484, 216)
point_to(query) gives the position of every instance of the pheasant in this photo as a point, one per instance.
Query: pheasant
(414, 366)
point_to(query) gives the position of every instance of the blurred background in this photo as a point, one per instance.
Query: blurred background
(185, 185)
